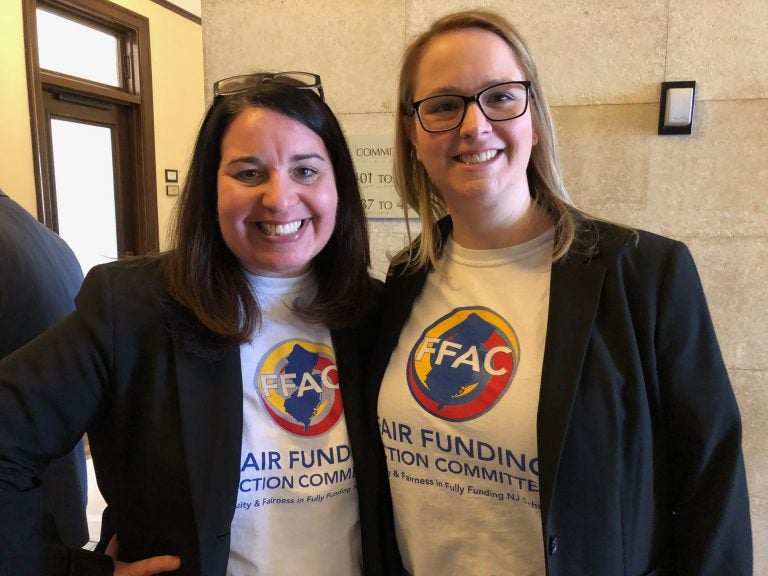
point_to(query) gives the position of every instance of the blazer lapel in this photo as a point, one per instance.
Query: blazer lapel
(574, 297)
(211, 405)
(388, 323)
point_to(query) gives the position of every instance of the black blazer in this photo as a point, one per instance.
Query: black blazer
(639, 434)
(164, 424)
(39, 278)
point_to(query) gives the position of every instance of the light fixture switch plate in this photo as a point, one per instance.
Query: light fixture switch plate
(679, 107)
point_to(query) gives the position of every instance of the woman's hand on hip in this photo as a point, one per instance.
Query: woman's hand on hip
(146, 567)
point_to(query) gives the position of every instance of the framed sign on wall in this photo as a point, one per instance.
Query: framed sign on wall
(373, 156)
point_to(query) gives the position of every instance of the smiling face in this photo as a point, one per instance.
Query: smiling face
(276, 193)
(480, 164)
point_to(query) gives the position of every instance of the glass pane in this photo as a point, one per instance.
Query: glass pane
(85, 190)
(75, 49)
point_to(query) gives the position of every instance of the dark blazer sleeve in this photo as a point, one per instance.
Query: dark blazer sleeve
(711, 525)
(40, 278)
(50, 391)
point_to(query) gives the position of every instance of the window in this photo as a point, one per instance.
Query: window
(76, 49)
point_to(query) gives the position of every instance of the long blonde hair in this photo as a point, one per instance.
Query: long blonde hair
(412, 182)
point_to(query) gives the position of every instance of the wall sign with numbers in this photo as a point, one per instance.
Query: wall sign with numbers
(373, 156)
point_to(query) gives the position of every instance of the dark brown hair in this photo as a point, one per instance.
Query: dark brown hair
(205, 277)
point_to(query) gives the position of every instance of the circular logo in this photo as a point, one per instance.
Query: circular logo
(299, 387)
(463, 363)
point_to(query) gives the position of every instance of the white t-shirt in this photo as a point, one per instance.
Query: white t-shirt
(457, 414)
(297, 499)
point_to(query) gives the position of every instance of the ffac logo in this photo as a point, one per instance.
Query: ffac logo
(299, 387)
(463, 363)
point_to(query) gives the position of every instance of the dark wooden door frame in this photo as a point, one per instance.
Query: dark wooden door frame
(136, 91)
(115, 117)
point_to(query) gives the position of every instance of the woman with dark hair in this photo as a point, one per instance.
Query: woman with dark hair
(549, 388)
(216, 288)
(210, 379)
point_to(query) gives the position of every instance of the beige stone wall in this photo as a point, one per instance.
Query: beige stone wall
(601, 62)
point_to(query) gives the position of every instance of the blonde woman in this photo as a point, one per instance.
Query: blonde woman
(551, 396)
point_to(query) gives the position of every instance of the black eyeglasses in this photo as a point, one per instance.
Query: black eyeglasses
(499, 102)
(299, 80)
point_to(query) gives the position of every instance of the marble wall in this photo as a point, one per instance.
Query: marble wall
(601, 63)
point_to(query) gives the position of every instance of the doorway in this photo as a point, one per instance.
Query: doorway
(93, 138)
(91, 179)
